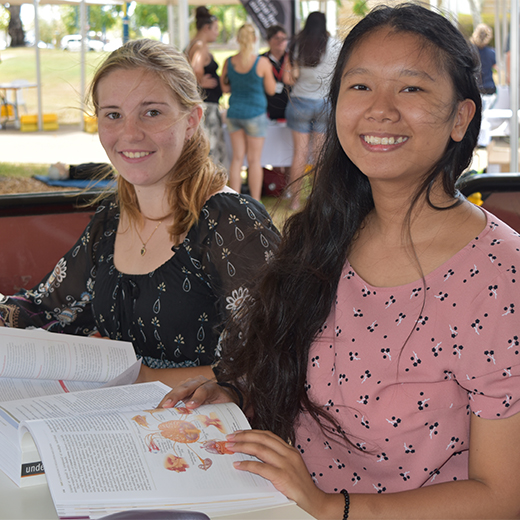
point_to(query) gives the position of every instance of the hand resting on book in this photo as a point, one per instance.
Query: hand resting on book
(198, 391)
(278, 461)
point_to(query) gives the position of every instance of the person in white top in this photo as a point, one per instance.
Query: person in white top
(312, 56)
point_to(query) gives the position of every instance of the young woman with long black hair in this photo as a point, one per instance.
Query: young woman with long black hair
(379, 356)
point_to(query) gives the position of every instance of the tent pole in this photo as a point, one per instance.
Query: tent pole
(171, 27)
(498, 46)
(38, 65)
(83, 24)
(513, 44)
(183, 24)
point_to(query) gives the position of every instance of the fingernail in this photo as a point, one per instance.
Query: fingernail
(168, 403)
(237, 464)
(229, 444)
(230, 437)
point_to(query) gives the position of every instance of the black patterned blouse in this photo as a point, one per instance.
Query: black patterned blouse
(173, 315)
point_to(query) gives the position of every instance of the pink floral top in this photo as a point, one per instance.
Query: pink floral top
(402, 368)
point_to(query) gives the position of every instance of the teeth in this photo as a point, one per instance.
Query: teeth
(372, 139)
(135, 155)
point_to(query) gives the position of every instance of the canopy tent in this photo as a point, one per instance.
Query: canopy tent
(502, 9)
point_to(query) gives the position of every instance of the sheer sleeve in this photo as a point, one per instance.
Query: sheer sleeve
(240, 238)
(61, 302)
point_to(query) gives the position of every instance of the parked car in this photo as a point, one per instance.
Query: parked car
(72, 42)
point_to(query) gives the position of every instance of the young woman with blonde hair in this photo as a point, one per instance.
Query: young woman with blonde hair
(167, 257)
(248, 77)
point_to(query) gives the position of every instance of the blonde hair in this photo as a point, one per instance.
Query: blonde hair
(482, 35)
(246, 38)
(194, 176)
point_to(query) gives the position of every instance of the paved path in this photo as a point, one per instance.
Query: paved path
(67, 145)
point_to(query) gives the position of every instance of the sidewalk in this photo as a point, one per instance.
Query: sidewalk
(67, 145)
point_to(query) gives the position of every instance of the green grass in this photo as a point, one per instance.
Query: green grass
(22, 170)
(60, 73)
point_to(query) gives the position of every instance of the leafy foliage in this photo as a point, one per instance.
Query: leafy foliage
(360, 7)
(99, 18)
(146, 15)
(4, 18)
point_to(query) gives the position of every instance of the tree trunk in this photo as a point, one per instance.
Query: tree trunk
(15, 27)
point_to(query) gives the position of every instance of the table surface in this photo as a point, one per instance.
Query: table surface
(16, 86)
(35, 503)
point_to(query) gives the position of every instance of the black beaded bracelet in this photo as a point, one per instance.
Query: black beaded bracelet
(344, 492)
(236, 390)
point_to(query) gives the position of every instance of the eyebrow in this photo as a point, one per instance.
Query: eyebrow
(145, 104)
(410, 73)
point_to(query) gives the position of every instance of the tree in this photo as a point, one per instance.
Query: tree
(15, 28)
(231, 17)
(360, 8)
(99, 18)
(4, 18)
(147, 15)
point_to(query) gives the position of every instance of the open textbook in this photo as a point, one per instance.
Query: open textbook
(35, 363)
(110, 449)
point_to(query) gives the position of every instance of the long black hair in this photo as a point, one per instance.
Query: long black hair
(267, 345)
(310, 44)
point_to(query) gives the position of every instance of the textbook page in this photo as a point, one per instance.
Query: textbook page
(39, 354)
(12, 389)
(12, 413)
(165, 458)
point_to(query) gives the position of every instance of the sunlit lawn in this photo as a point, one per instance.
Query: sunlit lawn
(60, 73)
(22, 170)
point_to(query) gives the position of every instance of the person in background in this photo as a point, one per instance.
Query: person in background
(81, 172)
(379, 358)
(165, 259)
(249, 78)
(312, 56)
(481, 37)
(205, 68)
(277, 40)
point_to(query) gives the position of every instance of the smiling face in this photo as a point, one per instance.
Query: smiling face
(142, 126)
(396, 109)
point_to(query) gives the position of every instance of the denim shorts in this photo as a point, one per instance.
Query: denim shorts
(306, 115)
(254, 127)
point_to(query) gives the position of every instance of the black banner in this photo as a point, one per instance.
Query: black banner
(272, 12)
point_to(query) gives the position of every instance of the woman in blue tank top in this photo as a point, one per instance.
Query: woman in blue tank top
(248, 77)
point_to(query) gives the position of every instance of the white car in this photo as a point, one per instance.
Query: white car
(72, 42)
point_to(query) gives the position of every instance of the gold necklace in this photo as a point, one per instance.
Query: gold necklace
(143, 248)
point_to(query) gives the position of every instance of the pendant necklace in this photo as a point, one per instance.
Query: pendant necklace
(143, 248)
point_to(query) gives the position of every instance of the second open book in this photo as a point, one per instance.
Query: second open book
(109, 449)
